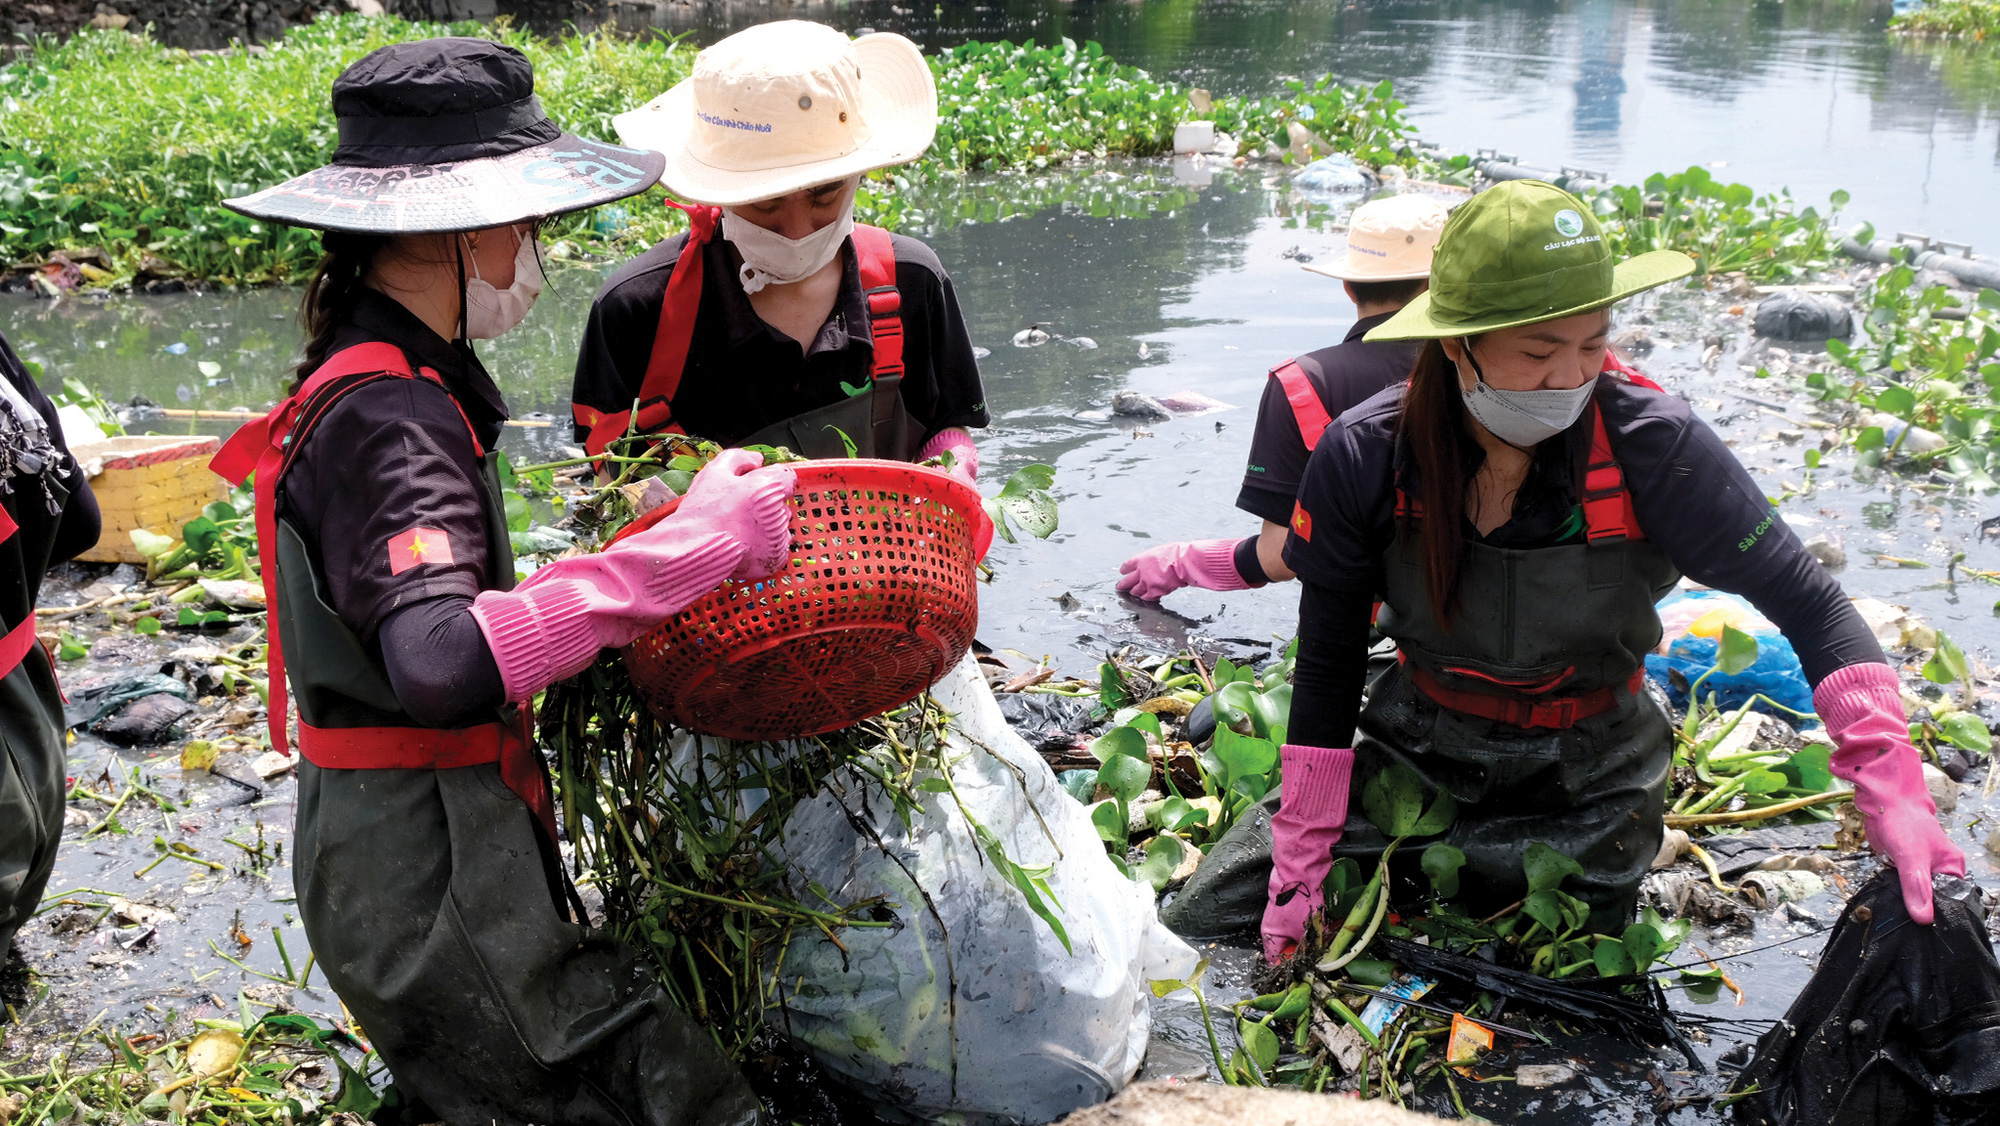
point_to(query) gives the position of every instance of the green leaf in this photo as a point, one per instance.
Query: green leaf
(1808, 769)
(1738, 651)
(189, 616)
(934, 786)
(151, 544)
(1125, 776)
(1963, 729)
(1547, 868)
(1612, 959)
(1896, 399)
(1260, 1042)
(147, 625)
(1870, 438)
(1109, 820)
(1545, 908)
(1643, 944)
(1163, 854)
(1231, 704)
(1029, 479)
(1147, 721)
(1441, 863)
(1271, 711)
(1112, 691)
(1947, 665)
(1394, 801)
(1243, 756)
(1119, 741)
(71, 648)
(1764, 782)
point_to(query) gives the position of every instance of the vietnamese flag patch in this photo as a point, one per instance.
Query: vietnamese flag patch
(1302, 521)
(417, 546)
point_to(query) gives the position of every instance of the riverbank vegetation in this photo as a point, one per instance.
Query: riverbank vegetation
(1951, 19)
(116, 152)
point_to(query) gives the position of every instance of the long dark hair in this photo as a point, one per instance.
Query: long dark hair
(331, 294)
(1444, 455)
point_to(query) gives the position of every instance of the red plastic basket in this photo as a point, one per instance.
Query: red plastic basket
(877, 602)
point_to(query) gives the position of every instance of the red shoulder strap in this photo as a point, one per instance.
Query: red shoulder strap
(876, 254)
(1304, 398)
(679, 307)
(1607, 503)
(260, 447)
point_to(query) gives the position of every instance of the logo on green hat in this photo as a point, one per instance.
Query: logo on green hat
(1568, 223)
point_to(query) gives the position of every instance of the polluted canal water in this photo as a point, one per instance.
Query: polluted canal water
(1202, 296)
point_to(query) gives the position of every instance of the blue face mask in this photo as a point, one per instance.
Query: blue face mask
(1523, 418)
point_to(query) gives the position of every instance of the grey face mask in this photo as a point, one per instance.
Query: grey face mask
(1523, 418)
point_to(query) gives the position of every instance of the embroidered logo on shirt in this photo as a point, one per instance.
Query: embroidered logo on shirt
(417, 546)
(1302, 522)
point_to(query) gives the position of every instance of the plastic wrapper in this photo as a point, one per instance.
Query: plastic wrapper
(1693, 621)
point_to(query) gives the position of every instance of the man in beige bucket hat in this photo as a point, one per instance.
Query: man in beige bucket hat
(1385, 266)
(777, 319)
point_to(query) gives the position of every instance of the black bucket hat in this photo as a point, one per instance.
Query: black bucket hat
(447, 135)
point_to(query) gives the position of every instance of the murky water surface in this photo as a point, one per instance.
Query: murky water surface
(1206, 295)
(1809, 94)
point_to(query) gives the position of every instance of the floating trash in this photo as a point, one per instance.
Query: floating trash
(1034, 336)
(175, 349)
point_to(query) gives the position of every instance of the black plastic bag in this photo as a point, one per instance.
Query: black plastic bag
(1900, 1026)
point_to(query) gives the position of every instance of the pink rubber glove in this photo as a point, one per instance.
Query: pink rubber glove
(965, 455)
(1157, 572)
(1312, 813)
(733, 524)
(1863, 710)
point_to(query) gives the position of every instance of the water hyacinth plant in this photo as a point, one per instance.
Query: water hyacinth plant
(1952, 19)
(113, 142)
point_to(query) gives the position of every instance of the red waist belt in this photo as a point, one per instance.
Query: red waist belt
(433, 748)
(1526, 711)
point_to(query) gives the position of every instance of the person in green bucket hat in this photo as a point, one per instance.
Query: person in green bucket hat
(1517, 509)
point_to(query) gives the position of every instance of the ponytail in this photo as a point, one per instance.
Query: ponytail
(332, 293)
(1445, 455)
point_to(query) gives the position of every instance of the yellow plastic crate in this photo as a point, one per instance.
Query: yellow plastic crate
(154, 482)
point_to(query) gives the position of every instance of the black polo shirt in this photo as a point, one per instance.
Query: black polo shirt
(743, 375)
(393, 458)
(1344, 375)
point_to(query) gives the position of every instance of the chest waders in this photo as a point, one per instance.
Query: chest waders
(425, 860)
(1531, 710)
(1558, 741)
(33, 754)
(875, 420)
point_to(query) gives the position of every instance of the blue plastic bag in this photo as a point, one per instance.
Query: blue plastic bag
(1693, 621)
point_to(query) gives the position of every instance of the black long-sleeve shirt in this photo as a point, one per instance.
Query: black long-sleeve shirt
(391, 457)
(1691, 495)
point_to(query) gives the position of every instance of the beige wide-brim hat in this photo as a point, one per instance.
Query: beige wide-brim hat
(784, 106)
(1389, 239)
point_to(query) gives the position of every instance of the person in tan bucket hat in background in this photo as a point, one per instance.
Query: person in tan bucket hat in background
(778, 320)
(1387, 262)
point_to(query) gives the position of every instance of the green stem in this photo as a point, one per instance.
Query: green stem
(567, 462)
(1353, 1021)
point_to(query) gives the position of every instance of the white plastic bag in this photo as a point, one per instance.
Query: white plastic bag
(970, 1009)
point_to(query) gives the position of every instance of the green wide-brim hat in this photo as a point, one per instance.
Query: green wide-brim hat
(1521, 252)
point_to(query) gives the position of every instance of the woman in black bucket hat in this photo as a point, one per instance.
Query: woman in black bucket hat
(425, 860)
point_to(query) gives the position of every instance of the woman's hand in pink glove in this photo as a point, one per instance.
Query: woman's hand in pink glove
(964, 455)
(744, 502)
(1157, 572)
(1312, 813)
(1863, 708)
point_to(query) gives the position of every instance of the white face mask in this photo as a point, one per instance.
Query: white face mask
(1523, 418)
(770, 258)
(489, 311)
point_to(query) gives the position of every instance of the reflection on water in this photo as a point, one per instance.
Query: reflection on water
(1807, 94)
